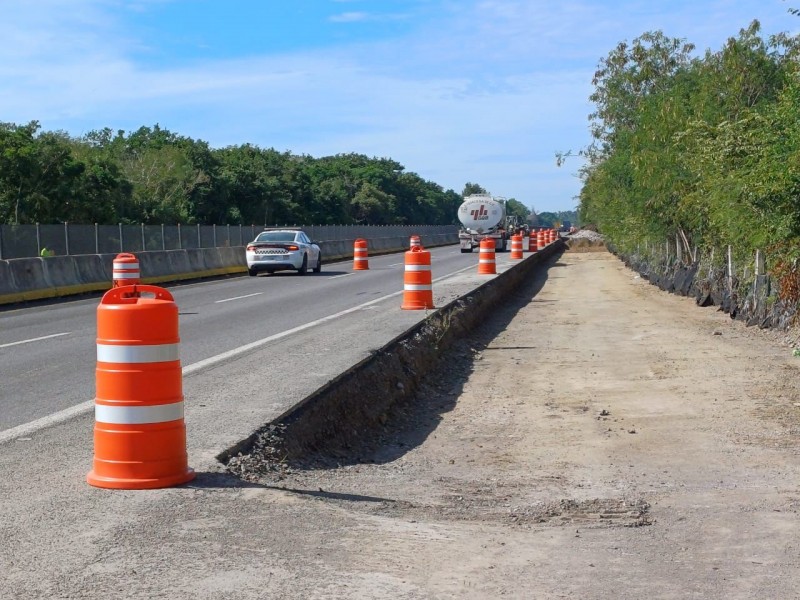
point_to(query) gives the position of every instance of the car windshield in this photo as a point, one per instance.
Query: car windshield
(276, 236)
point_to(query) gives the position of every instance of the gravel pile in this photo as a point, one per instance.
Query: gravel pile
(586, 234)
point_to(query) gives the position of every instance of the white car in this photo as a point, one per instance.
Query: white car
(281, 250)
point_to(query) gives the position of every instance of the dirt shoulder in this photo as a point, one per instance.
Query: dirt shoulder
(595, 438)
(599, 439)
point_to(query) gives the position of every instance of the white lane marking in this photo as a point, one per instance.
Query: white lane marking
(337, 276)
(237, 298)
(88, 406)
(39, 339)
(395, 264)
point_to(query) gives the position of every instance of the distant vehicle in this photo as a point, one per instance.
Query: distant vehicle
(281, 250)
(483, 216)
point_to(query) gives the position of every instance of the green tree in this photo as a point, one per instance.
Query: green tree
(515, 208)
(473, 188)
(371, 205)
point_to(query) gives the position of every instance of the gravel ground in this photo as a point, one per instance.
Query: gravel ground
(597, 438)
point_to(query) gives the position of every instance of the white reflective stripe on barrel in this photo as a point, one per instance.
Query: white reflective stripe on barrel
(359, 258)
(411, 287)
(130, 265)
(138, 415)
(487, 250)
(126, 275)
(418, 267)
(137, 354)
(486, 261)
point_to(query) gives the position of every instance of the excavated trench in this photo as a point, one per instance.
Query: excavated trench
(346, 421)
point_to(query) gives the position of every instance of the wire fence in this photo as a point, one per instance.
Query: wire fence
(25, 241)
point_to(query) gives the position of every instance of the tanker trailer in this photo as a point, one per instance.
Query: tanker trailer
(482, 216)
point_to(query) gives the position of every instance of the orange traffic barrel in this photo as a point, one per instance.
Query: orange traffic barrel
(139, 432)
(487, 265)
(516, 246)
(125, 270)
(540, 240)
(360, 258)
(552, 233)
(414, 241)
(417, 288)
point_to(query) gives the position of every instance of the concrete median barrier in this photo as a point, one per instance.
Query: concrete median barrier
(6, 284)
(154, 266)
(336, 250)
(27, 279)
(94, 274)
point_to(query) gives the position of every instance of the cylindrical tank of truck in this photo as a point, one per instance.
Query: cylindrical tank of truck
(481, 216)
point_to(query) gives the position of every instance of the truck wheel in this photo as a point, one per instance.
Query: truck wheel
(465, 250)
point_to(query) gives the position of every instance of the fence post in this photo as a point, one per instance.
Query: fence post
(66, 238)
(759, 273)
(229, 234)
(241, 241)
(38, 241)
(1, 242)
(96, 239)
(678, 249)
(730, 270)
(121, 246)
(163, 238)
(760, 266)
(198, 235)
(144, 246)
(214, 234)
(180, 242)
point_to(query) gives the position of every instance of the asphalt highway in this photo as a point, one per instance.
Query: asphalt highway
(48, 352)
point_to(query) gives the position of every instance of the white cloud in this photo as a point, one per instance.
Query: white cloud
(350, 17)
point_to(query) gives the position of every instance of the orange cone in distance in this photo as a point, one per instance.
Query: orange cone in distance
(417, 286)
(487, 265)
(139, 433)
(360, 256)
(414, 241)
(516, 247)
(125, 270)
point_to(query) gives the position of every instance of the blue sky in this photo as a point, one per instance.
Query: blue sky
(484, 91)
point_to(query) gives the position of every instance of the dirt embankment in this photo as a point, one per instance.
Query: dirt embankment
(596, 438)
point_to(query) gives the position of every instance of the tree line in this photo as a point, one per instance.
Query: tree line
(155, 176)
(703, 149)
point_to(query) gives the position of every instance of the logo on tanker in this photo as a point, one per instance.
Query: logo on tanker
(479, 214)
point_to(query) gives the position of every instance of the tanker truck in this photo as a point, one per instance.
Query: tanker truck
(483, 216)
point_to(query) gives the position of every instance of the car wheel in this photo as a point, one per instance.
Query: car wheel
(318, 268)
(304, 267)
(252, 272)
